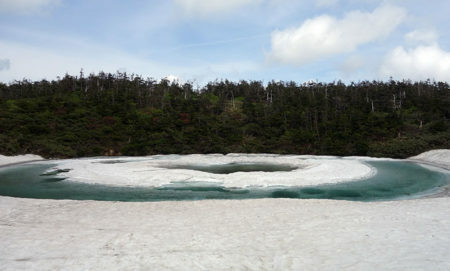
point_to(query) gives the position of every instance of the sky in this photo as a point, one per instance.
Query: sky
(206, 40)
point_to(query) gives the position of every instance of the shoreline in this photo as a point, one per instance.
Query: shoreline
(444, 192)
(18, 159)
(434, 164)
(21, 162)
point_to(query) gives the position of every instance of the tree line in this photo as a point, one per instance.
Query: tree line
(121, 114)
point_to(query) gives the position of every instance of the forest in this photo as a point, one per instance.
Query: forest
(120, 114)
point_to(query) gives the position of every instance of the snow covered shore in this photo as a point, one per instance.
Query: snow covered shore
(437, 157)
(264, 234)
(8, 160)
(267, 234)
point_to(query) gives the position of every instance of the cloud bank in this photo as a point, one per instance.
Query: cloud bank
(326, 35)
(420, 63)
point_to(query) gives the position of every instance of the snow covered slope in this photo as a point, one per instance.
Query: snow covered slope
(438, 157)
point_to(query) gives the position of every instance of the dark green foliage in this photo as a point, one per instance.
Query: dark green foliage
(118, 114)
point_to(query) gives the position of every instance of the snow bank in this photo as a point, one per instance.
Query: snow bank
(152, 171)
(267, 234)
(6, 160)
(439, 157)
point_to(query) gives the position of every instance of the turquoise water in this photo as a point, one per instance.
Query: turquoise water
(394, 180)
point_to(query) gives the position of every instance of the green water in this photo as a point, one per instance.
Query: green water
(394, 180)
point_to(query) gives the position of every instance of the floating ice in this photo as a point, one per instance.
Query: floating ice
(232, 170)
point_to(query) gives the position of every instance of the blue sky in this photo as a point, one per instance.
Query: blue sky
(200, 41)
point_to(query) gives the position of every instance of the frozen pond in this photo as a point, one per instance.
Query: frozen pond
(195, 177)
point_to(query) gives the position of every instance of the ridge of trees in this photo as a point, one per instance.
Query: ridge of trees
(121, 114)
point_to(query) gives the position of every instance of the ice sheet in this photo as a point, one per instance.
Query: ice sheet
(151, 171)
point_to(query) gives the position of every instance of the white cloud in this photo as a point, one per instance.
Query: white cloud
(424, 36)
(25, 6)
(420, 63)
(211, 7)
(325, 35)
